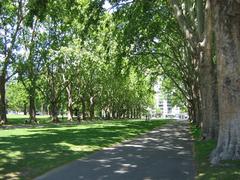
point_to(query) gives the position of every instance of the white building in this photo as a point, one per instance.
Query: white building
(163, 107)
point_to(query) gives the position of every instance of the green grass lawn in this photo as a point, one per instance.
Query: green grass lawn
(226, 170)
(27, 153)
(20, 119)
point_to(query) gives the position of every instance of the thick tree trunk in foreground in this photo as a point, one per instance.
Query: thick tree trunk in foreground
(209, 106)
(227, 17)
(3, 108)
(209, 81)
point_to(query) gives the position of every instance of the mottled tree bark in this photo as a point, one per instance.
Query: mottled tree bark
(196, 105)
(227, 28)
(32, 108)
(208, 82)
(3, 109)
(54, 112)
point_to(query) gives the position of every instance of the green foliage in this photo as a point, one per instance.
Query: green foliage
(154, 43)
(195, 131)
(175, 95)
(158, 111)
(16, 96)
(37, 8)
(75, 45)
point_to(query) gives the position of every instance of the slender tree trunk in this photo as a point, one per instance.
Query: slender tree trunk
(108, 117)
(227, 18)
(77, 112)
(197, 113)
(113, 112)
(92, 108)
(70, 103)
(128, 113)
(139, 112)
(32, 108)
(134, 113)
(25, 109)
(3, 108)
(83, 108)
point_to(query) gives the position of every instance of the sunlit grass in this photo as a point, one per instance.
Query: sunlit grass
(28, 152)
(227, 170)
(20, 119)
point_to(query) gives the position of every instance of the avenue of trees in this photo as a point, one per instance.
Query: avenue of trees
(54, 59)
(78, 55)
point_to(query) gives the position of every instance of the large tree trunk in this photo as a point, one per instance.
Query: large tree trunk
(227, 18)
(54, 112)
(208, 82)
(209, 105)
(3, 108)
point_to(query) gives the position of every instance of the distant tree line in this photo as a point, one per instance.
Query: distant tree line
(62, 56)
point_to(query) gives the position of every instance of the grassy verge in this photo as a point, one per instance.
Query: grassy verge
(28, 152)
(227, 170)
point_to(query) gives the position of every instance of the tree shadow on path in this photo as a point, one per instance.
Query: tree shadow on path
(25, 156)
(165, 153)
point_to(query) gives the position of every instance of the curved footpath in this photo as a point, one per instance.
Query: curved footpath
(162, 154)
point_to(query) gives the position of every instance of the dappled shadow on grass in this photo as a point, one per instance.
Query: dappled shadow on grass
(164, 153)
(229, 170)
(34, 151)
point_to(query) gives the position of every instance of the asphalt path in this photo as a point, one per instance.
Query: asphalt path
(162, 154)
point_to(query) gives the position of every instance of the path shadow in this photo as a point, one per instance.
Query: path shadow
(165, 153)
(26, 156)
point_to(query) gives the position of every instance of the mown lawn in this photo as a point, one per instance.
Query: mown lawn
(226, 170)
(27, 153)
(20, 119)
